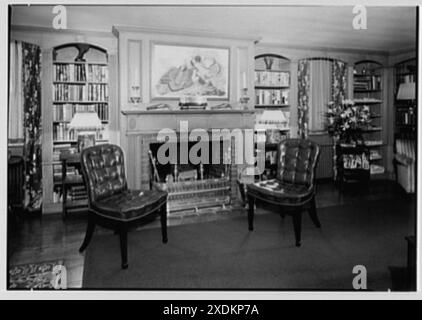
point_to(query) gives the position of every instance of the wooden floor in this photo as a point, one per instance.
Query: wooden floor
(46, 238)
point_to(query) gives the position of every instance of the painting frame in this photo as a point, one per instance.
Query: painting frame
(185, 54)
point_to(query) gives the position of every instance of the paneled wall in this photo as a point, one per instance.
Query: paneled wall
(135, 52)
(47, 39)
(350, 57)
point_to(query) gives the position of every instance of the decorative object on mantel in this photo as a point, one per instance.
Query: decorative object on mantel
(135, 92)
(135, 95)
(221, 106)
(244, 98)
(179, 70)
(192, 102)
(159, 106)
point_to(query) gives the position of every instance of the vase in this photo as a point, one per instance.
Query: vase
(268, 62)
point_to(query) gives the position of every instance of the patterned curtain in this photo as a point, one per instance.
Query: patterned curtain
(31, 77)
(339, 81)
(339, 93)
(303, 81)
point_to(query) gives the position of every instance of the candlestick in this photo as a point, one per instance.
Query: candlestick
(244, 81)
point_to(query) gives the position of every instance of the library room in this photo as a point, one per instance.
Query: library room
(173, 147)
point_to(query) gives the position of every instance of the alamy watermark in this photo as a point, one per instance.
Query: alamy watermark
(249, 147)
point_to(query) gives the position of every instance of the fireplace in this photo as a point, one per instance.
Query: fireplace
(191, 186)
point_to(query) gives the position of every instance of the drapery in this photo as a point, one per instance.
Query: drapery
(303, 85)
(339, 93)
(339, 81)
(31, 80)
(320, 93)
(320, 80)
(15, 110)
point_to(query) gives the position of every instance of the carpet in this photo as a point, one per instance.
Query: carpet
(223, 254)
(33, 275)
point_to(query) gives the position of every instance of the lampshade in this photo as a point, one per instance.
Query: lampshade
(271, 119)
(406, 91)
(85, 121)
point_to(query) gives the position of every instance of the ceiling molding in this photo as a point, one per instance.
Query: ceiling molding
(117, 29)
(403, 51)
(26, 28)
(319, 48)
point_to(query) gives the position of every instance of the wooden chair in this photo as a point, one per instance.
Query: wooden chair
(293, 186)
(110, 202)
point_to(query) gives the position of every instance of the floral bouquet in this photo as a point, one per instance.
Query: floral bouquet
(346, 121)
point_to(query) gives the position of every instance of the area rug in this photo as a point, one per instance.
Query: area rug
(33, 275)
(223, 254)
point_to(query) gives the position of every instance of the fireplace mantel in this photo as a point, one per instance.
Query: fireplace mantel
(151, 121)
(140, 128)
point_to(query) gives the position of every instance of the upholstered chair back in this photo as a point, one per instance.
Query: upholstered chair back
(104, 171)
(297, 160)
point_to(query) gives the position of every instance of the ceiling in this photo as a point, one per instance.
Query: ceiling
(388, 28)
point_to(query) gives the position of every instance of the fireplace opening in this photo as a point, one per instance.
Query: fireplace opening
(191, 185)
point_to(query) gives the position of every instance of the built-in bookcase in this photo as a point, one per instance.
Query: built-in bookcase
(405, 105)
(272, 105)
(80, 83)
(368, 92)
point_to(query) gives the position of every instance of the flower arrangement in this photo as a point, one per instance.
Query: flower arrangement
(346, 121)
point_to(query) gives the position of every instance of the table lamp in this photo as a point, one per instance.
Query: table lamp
(406, 91)
(85, 124)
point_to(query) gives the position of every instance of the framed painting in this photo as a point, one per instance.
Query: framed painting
(179, 70)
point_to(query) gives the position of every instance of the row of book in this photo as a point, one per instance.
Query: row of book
(71, 171)
(374, 155)
(405, 117)
(271, 97)
(97, 73)
(61, 132)
(356, 161)
(69, 72)
(78, 72)
(74, 92)
(65, 112)
(377, 169)
(265, 78)
(75, 193)
(367, 83)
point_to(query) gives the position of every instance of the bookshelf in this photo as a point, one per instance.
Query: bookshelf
(80, 82)
(272, 105)
(368, 92)
(405, 109)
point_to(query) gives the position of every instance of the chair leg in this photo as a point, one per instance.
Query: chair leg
(163, 218)
(89, 232)
(313, 214)
(297, 225)
(123, 247)
(251, 203)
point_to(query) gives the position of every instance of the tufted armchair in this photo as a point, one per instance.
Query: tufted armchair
(293, 188)
(111, 203)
